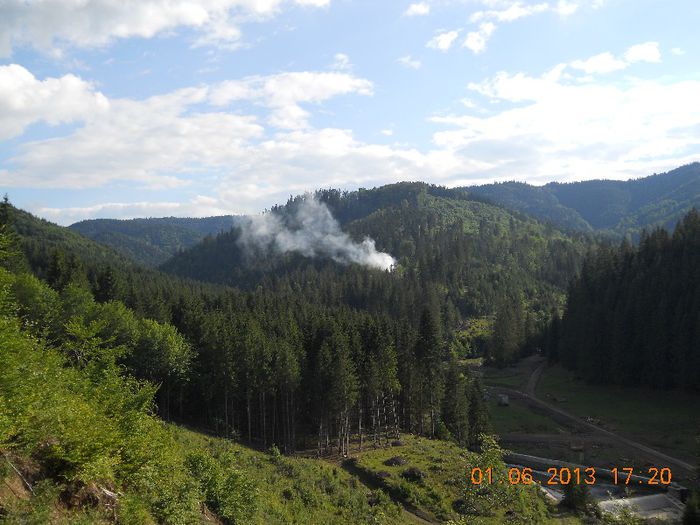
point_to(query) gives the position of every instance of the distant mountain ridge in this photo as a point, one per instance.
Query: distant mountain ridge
(475, 250)
(153, 241)
(618, 207)
(612, 207)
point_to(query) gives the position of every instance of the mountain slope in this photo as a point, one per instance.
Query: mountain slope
(152, 241)
(473, 250)
(619, 207)
(40, 238)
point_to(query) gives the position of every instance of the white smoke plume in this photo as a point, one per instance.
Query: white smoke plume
(312, 231)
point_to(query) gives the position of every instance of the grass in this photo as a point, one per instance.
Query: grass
(302, 491)
(519, 419)
(505, 378)
(441, 462)
(443, 465)
(641, 414)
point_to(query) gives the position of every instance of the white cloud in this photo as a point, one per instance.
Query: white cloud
(476, 40)
(409, 62)
(49, 25)
(507, 11)
(647, 52)
(341, 62)
(24, 100)
(607, 62)
(513, 12)
(200, 206)
(152, 143)
(601, 63)
(677, 51)
(159, 142)
(553, 127)
(443, 41)
(565, 8)
(388, 132)
(417, 9)
(283, 93)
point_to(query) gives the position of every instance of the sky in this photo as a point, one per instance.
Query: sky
(148, 108)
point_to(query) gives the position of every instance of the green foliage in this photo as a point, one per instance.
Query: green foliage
(624, 517)
(161, 352)
(632, 316)
(89, 425)
(524, 502)
(578, 498)
(616, 207)
(442, 490)
(691, 515)
(227, 490)
(152, 241)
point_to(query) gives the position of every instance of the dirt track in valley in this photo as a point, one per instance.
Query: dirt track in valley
(528, 396)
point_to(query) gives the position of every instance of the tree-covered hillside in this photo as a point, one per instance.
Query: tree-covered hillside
(617, 207)
(152, 241)
(94, 349)
(632, 317)
(472, 252)
(327, 350)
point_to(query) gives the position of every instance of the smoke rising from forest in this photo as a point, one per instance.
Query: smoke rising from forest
(312, 231)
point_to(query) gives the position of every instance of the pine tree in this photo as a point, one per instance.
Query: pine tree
(478, 417)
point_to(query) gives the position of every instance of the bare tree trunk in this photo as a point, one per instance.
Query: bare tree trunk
(250, 432)
(396, 418)
(359, 423)
(226, 406)
(263, 418)
(274, 417)
(432, 416)
(374, 421)
(320, 432)
(386, 422)
(341, 441)
(293, 423)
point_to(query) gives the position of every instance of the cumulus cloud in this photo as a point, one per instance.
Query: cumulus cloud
(410, 62)
(169, 140)
(601, 63)
(51, 24)
(443, 41)
(311, 231)
(607, 62)
(24, 100)
(507, 11)
(417, 9)
(555, 127)
(511, 13)
(341, 62)
(647, 52)
(283, 93)
(151, 142)
(200, 206)
(476, 40)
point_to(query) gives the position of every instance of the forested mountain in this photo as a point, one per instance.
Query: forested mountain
(152, 241)
(632, 317)
(616, 207)
(109, 344)
(314, 345)
(472, 251)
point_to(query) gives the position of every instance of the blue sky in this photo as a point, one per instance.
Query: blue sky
(204, 107)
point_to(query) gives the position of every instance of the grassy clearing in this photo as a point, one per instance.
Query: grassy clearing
(302, 491)
(641, 414)
(441, 490)
(519, 419)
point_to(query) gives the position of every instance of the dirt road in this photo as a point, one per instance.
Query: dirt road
(528, 394)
